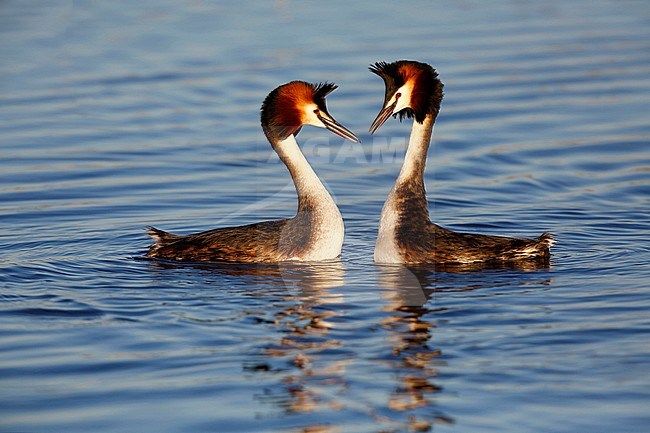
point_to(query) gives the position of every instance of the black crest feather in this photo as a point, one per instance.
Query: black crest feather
(321, 90)
(388, 71)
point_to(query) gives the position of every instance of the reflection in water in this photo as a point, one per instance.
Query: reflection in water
(413, 357)
(520, 265)
(314, 375)
(296, 278)
(408, 292)
(310, 364)
(305, 280)
(300, 313)
(309, 383)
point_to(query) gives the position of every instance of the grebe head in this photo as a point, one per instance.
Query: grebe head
(290, 106)
(412, 90)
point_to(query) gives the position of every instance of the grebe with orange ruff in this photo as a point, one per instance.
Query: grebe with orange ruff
(406, 234)
(315, 233)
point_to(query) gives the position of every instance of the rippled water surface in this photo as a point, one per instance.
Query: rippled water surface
(118, 115)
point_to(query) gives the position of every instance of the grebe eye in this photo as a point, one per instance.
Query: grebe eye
(398, 95)
(316, 111)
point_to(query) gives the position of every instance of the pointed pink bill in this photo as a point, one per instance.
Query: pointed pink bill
(382, 117)
(337, 128)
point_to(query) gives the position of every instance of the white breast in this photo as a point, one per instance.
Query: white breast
(328, 236)
(386, 250)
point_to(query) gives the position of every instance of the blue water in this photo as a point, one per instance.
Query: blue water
(119, 115)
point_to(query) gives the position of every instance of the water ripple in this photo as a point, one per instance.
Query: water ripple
(114, 118)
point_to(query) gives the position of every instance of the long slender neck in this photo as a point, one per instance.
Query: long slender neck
(416, 153)
(406, 210)
(311, 191)
(408, 199)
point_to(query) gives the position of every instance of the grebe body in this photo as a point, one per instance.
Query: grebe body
(315, 233)
(406, 233)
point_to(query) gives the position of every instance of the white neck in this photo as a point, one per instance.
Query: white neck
(386, 250)
(327, 230)
(305, 179)
(416, 153)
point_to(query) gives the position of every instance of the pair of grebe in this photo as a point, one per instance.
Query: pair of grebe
(406, 235)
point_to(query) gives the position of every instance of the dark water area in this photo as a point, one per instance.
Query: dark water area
(116, 115)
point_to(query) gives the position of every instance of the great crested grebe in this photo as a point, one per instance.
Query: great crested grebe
(406, 235)
(315, 233)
